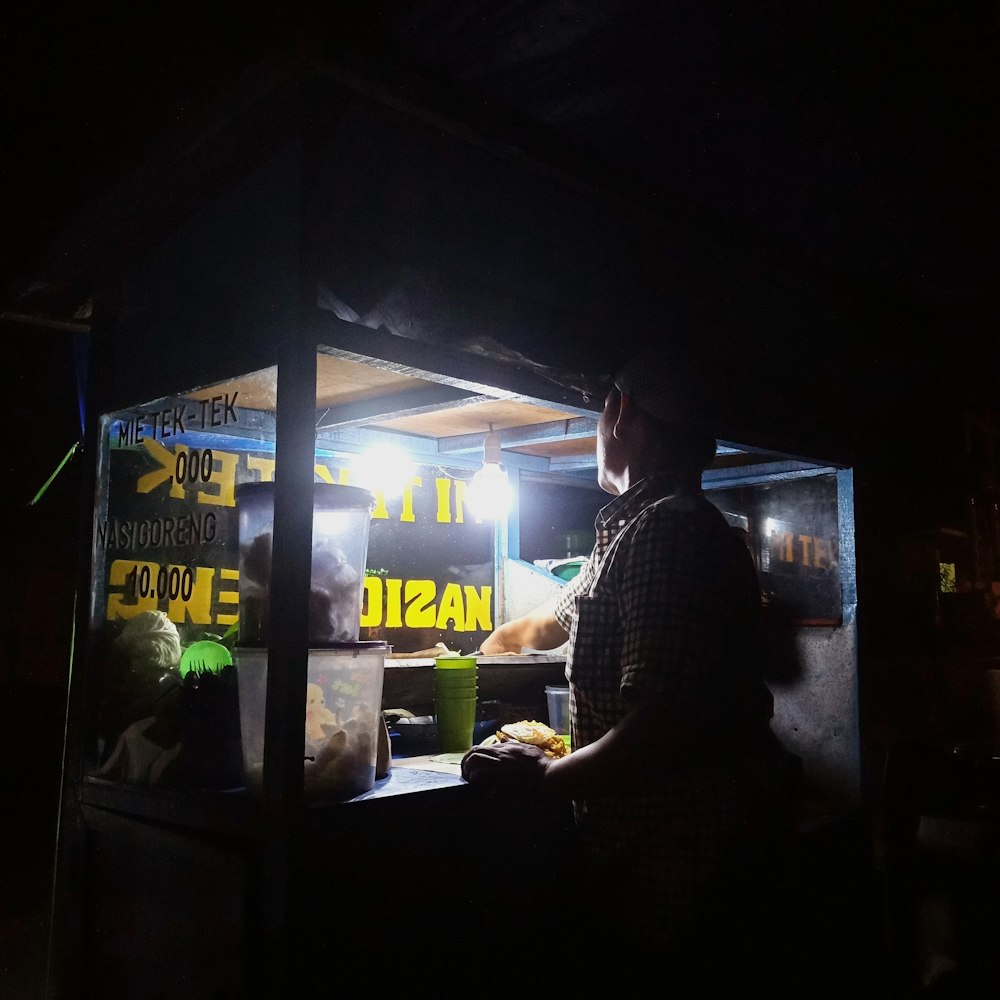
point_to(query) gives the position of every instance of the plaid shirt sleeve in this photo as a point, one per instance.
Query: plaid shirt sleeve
(565, 607)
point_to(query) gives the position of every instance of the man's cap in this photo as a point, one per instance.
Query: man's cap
(676, 386)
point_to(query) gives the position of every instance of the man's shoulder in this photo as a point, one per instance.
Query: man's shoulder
(693, 508)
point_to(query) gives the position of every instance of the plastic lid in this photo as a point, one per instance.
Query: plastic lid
(362, 644)
(332, 496)
(370, 645)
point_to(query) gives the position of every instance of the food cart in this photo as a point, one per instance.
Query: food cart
(302, 305)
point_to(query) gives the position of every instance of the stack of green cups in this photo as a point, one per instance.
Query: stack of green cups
(456, 685)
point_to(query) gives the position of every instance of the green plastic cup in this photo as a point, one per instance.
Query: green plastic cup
(456, 687)
(455, 673)
(456, 720)
(456, 664)
(463, 686)
(464, 696)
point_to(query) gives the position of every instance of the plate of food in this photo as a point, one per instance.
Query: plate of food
(533, 733)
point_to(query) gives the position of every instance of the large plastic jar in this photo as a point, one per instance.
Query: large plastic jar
(341, 524)
(342, 717)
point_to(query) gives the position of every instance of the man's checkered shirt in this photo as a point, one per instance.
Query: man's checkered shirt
(668, 604)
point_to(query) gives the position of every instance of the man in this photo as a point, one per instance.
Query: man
(677, 781)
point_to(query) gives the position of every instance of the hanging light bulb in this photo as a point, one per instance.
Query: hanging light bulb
(489, 492)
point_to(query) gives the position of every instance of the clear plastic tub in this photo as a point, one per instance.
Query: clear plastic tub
(341, 524)
(557, 700)
(342, 717)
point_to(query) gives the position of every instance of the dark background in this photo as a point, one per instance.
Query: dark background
(838, 161)
(843, 154)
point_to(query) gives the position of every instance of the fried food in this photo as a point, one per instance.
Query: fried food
(535, 734)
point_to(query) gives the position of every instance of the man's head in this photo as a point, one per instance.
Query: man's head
(660, 414)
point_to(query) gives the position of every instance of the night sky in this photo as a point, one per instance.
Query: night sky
(88, 88)
(850, 142)
(865, 138)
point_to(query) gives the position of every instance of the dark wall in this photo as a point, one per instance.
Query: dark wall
(40, 546)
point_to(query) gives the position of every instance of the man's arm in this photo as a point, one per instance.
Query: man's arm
(538, 629)
(648, 738)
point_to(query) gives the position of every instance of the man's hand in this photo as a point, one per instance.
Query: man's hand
(512, 766)
(494, 645)
(538, 629)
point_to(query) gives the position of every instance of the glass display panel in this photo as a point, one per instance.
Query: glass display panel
(430, 575)
(557, 522)
(792, 529)
(164, 612)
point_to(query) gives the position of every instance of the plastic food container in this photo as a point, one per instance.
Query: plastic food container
(557, 700)
(341, 524)
(341, 717)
